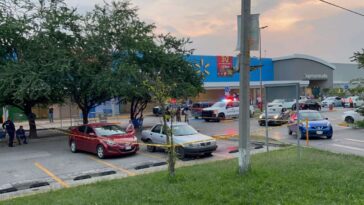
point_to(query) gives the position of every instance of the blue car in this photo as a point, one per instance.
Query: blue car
(318, 126)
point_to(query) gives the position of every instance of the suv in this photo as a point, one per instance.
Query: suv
(354, 116)
(197, 108)
(226, 109)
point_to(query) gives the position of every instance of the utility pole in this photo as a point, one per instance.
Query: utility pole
(244, 88)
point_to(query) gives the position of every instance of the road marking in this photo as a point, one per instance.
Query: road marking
(354, 140)
(348, 147)
(129, 173)
(49, 173)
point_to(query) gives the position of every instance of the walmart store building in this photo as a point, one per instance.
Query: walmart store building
(313, 74)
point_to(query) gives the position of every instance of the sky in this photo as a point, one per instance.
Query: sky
(294, 26)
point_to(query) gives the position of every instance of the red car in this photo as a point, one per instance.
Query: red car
(104, 139)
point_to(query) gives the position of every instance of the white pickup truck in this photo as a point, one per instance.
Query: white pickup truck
(223, 110)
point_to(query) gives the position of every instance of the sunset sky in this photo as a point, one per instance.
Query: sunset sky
(295, 26)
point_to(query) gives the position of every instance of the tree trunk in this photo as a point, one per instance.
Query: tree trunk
(132, 112)
(171, 160)
(31, 120)
(85, 112)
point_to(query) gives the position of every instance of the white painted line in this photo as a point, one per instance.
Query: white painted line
(354, 140)
(348, 147)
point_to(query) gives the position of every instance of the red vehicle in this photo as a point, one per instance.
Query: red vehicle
(103, 139)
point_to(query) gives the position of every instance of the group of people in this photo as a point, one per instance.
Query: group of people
(10, 130)
(178, 115)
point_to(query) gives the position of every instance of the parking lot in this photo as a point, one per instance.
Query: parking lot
(48, 162)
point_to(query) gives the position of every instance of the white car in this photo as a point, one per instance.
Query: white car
(226, 109)
(282, 103)
(335, 101)
(187, 140)
(353, 116)
(357, 101)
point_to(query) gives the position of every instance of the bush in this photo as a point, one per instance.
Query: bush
(360, 124)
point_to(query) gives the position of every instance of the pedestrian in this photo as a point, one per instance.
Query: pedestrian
(178, 114)
(351, 102)
(343, 102)
(50, 114)
(186, 111)
(130, 127)
(167, 114)
(20, 135)
(10, 129)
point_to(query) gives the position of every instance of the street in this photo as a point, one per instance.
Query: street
(48, 162)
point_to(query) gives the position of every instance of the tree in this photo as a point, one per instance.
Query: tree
(32, 38)
(101, 66)
(359, 58)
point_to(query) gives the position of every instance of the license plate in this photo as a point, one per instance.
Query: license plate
(128, 148)
(319, 132)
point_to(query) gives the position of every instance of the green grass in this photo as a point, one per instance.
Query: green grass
(275, 178)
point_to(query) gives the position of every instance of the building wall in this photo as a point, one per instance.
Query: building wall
(296, 69)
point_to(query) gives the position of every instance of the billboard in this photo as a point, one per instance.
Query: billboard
(224, 66)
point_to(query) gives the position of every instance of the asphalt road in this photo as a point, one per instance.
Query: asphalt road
(49, 160)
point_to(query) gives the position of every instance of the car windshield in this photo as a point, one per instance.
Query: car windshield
(109, 130)
(278, 101)
(219, 104)
(182, 130)
(330, 98)
(311, 116)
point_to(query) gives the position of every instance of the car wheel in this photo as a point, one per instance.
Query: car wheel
(207, 120)
(73, 146)
(289, 132)
(221, 116)
(329, 137)
(349, 120)
(149, 147)
(180, 151)
(100, 152)
(196, 118)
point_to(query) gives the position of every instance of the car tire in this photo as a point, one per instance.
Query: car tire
(329, 137)
(196, 118)
(73, 146)
(290, 132)
(150, 148)
(180, 152)
(207, 120)
(349, 120)
(100, 151)
(221, 116)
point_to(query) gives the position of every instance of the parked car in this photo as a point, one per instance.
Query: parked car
(275, 117)
(103, 139)
(318, 126)
(226, 109)
(285, 103)
(335, 101)
(353, 116)
(196, 109)
(187, 140)
(357, 101)
(310, 104)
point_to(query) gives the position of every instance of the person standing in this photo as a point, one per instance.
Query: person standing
(178, 114)
(343, 102)
(187, 114)
(20, 135)
(50, 114)
(10, 129)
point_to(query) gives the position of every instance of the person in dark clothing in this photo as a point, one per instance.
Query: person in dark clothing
(10, 129)
(50, 114)
(178, 114)
(20, 135)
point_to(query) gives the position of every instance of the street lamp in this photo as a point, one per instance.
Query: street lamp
(261, 66)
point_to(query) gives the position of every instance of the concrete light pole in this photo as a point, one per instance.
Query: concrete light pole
(261, 67)
(244, 88)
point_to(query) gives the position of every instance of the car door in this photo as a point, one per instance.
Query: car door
(156, 135)
(229, 110)
(236, 109)
(80, 137)
(91, 140)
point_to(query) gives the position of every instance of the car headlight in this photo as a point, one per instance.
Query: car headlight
(276, 116)
(110, 142)
(261, 116)
(194, 144)
(215, 112)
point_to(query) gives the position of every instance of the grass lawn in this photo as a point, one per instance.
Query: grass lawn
(275, 178)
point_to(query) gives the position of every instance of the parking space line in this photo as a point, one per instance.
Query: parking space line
(354, 140)
(129, 173)
(348, 147)
(53, 176)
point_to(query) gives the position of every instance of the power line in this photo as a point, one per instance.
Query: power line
(332, 4)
